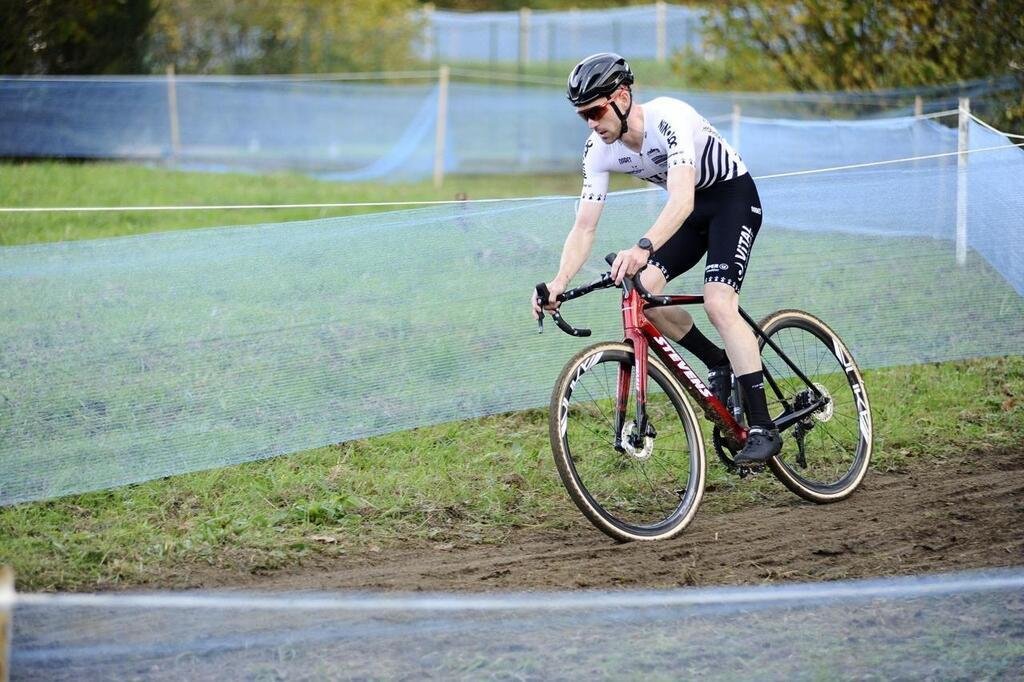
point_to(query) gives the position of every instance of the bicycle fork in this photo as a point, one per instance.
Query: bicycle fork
(641, 427)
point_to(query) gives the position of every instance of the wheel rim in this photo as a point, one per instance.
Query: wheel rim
(835, 437)
(650, 486)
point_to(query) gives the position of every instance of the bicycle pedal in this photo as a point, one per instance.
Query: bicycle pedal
(749, 469)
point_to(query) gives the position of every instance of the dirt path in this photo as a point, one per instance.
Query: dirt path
(957, 514)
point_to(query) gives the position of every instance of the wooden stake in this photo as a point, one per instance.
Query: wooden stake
(172, 111)
(962, 145)
(524, 37)
(6, 611)
(442, 120)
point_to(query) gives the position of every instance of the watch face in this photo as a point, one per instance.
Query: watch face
(645, 243)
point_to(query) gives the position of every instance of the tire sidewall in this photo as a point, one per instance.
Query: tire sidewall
(577, 366)
(865, 444)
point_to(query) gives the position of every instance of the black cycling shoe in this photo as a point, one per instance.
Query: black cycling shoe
(762, 444)
(720, 381)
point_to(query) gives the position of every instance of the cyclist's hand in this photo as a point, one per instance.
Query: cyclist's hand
(554, 289)
(628, 263)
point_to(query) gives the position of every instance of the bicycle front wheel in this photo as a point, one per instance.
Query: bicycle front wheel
(825, 455)
(650, 487)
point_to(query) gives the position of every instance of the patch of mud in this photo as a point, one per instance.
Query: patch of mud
(935, 516)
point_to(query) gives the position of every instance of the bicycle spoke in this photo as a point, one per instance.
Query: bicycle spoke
(831, 446)
(641, 493)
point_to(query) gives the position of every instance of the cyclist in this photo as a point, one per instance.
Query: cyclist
(712, 207)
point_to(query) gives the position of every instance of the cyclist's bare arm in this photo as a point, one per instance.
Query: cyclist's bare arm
(579, 242)
(575, 251)
(681, 181)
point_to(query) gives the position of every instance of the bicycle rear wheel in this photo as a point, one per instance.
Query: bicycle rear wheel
(825, 455)
(651, 488)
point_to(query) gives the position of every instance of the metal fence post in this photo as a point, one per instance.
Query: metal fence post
(6, 612)
(660, 30)
(442, 120)
(964, 117)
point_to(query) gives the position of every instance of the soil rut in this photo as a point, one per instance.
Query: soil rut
(950, 515)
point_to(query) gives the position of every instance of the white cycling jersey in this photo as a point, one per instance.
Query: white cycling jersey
(674, 135)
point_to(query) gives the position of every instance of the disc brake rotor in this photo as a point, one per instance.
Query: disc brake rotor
(825, 413)
(644, 453)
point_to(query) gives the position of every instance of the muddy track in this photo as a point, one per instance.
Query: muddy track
(935, 516)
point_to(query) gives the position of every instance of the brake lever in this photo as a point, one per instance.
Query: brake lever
(542, 298)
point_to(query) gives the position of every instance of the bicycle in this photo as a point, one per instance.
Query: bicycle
(633, 459)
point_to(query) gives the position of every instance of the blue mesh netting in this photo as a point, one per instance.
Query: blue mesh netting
(357, 131)
(556, 35)
(132, 358)
(959, 626)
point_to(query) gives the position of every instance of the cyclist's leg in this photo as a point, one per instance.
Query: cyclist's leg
(680, 253)
(734, 226)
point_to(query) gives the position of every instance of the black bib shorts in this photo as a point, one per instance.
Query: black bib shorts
(725, 220)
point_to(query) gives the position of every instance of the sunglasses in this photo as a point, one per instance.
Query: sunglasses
(594, 113)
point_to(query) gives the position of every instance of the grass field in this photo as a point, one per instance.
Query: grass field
(53, 184)
(461, 481)
(469, 481)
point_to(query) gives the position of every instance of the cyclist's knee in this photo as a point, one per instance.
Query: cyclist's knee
(721, 303)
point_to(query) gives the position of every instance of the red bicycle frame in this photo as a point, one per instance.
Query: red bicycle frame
(642, 334)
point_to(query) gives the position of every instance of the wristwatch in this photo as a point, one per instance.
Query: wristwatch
(645, 243)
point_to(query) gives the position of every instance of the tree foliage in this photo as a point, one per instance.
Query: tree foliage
(868, 45)
(267, 36)
(73, 36)
(512, 5)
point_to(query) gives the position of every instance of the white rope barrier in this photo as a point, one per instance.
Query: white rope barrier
(370, 204)
(885, 163)
(995, 130)
(224, 207)
(938, 114)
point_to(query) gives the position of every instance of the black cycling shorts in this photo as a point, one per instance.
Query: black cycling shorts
(725, 220)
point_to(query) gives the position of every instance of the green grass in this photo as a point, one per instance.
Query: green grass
(469, 481)
(55, 184)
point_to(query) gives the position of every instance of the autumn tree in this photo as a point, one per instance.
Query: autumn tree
(264, 36)
(868, 45)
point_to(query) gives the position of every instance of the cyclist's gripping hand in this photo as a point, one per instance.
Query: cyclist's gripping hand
(555, 287)
(628, 263)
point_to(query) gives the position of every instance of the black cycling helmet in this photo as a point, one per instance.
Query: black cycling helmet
(599, 75)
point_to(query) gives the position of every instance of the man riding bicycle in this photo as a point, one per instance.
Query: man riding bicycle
(713, 208)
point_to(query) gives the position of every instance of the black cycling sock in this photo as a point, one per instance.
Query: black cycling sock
(756, 403)
(707, 352)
